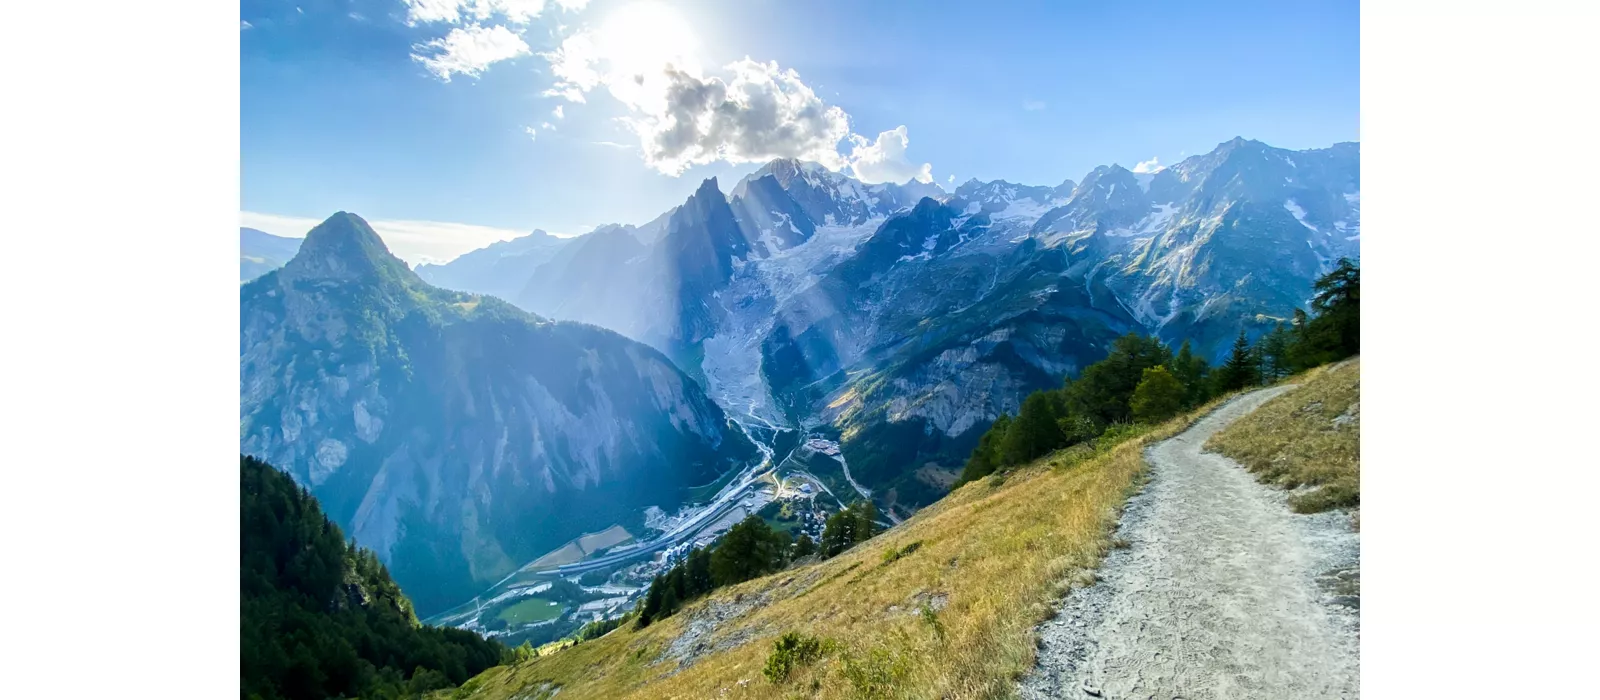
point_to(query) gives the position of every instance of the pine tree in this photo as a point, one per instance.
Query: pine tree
(1102, 391)
(669, 601)
(1274, 351)
(866, 520)
(1191, 370)
(804, 546)
(650, 607)
(1241, 370)
(1034, 433)
(697, 572)
(985, 457)
(749, 549)
(844, 529)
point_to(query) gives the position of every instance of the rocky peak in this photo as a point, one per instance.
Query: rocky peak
(1064, 190)
(345, 248)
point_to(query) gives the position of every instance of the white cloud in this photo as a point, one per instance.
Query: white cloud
(1032, 105)
(884, 159)
(459, 11)
(547, 126)
(533, 134)
(557, 113)
(468, 51)
(415, 242)
(647, 57)
(760, 113)
(243, 25)
(1149, 166)
(612, 144)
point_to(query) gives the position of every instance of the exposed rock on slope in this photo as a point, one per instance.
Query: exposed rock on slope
(454, 434)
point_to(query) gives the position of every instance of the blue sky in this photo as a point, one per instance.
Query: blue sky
(345, 104)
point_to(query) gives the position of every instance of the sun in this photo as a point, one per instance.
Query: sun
(645, 36)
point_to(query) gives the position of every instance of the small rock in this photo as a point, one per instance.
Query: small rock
(1090, 689)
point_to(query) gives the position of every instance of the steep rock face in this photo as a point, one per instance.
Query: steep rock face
(454, 434)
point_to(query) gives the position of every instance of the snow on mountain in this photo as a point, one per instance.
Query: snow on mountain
(887, 312)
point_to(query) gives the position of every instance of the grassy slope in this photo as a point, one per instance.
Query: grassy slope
(995, 553)
(1292, 441)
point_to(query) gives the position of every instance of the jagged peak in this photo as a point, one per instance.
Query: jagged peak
(708, 186)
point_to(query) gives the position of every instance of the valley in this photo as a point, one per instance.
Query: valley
(801, 342)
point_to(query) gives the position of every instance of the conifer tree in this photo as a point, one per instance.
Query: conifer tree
(1241, 370)
(985, 457)
(1191, 370)
(844, 529)
(1034, 433)
(804, 546)
(1101, 392)
(697, 572)
(1273, 349)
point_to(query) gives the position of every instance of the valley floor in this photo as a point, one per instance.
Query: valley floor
(1217, 590)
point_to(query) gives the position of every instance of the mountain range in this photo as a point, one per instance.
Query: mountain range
(897, 319)
(905, 318)
(453, 433)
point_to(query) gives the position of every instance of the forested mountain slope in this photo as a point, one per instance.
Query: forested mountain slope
(320, 617)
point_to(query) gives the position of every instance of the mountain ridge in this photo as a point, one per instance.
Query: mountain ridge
(440, 427)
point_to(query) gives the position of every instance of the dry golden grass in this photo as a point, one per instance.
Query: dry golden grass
(1293, 440)
(943, 605)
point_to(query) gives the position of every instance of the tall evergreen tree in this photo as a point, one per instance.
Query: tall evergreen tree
(1102, 391)
(1273, 349)
(1192, 371)
(844, 529)
(804, 546)
(749, 549)
(1034, 433)
(650, 607)
(697, 572)
(1241, 370)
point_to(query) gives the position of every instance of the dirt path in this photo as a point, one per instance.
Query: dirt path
(1222, 592)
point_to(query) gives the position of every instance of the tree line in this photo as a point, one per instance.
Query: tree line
(749, 550)
(319, 617)
(1142, 381)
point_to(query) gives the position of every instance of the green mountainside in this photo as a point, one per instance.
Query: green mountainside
(319, 617)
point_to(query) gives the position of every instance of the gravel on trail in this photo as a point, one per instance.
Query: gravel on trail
(1219, 592)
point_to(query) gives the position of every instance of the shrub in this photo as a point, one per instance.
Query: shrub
(890, 556)
(790, 652)
(877, 675)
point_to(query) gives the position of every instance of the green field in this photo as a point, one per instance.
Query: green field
(530, 611)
